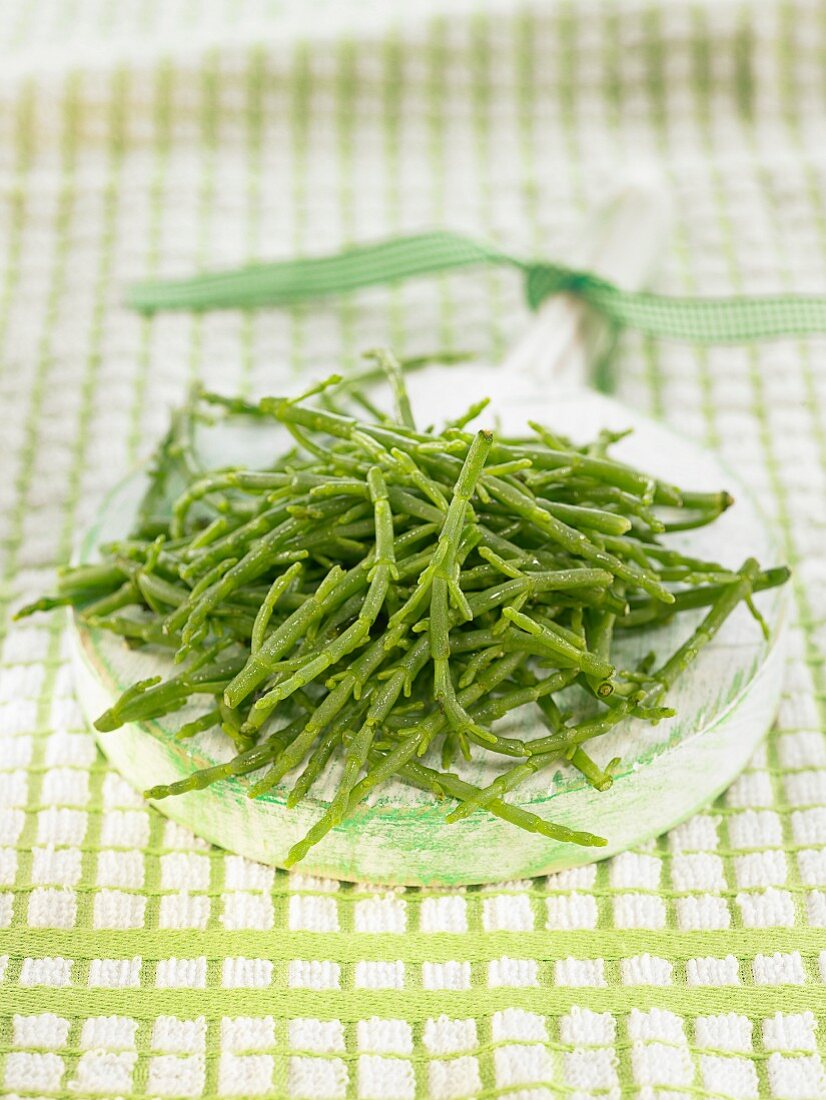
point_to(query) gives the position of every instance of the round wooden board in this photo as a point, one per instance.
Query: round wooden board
(725, 703)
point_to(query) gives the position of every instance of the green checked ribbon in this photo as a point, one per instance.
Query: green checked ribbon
(695, 320)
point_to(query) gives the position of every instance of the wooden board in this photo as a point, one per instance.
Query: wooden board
(725, 703)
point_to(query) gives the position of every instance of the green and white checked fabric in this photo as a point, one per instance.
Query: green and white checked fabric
(142, 139)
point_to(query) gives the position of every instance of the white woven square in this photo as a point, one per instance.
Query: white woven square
(44, 1030)
(583, 1027)
(118, 909)
(639, 911)
(108, 1033)
(702, 913)
(64, 748)
(507, 914)
(125, 828)
(517, 973)
(779, 969)
(184, 911)
(179, 1036)
(796, 1078)
(383, 1036)
(646, 970)
(728, 1031)
(574, 878)
(245, 910)
(59, 826)
(381, 914)
(181, 973)
(634, 870)
(516, 1065)
(580, 972)
(66, 787)
(11, 825)
(314, 974)
(736, 1077)
(121, 868)
(761, 869)
(185, 871)
(768, 909)
(790, 1032)
(57, 866)
(713, 971)
(115, 973)
(806, 788)
(99, 1072)
(317, 1035)
(52, 908)
(241, 1034)
(700, 871)
(755, 829)
(385, 1078)
(46, 971)
(14, 788)
(313, 914)
(247, 1075)
(378, 974)
(571, 911)
(33, 1072)
(443, 914)
(812, 865)
(242, 973)
(803, 749)
(118, 794)
(317, 1077)
(454, 1079)
(244, 874)
(447, 1036)
(446, 975)
(173, 1076)
(591, 1070)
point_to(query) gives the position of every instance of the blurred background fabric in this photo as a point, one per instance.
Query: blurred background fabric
(155, 138)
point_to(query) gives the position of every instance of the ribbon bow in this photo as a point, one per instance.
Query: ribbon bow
(735, 319)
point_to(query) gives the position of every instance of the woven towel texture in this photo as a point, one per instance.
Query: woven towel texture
(142, 139)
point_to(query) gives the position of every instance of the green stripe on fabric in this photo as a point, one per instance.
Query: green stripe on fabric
(24, 132)
(438, 60)
(161, 113)
(333, 1004)
(299, 92)
(35, 427)
(392, 107)
(479, 30)
(417, 947)
(254, 92)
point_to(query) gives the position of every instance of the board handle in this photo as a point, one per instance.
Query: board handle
(568, 343)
